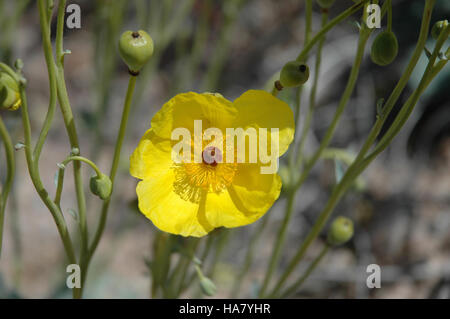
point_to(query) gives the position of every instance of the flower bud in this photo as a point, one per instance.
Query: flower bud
(384, 48)
(325, 3)
(437, 28)
(208, 287)
(101, 186)
(294, 74)
(341, 231)
(135, 48)
(9, 93)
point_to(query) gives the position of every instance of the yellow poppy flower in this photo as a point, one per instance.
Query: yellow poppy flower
(192, 198)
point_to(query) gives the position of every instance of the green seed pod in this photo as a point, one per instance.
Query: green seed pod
(437, 28)
(101, 186)
(207, 285)
(341, 231)
(384, 48)
(9, 93)
(135, 48)
(294, 74)
(325, 3)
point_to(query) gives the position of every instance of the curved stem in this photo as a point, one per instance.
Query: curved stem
(61, 171)
(10, 164)
(85, 160)
(35, 178)
(115, 163)
(69, 122)
(296, 285)
(45, 30)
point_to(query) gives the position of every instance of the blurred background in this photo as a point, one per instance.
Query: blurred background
(401, 209)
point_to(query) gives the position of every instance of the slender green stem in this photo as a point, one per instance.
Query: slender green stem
(312, 98)
(352, 172)
(222, 239)
(164, 247)
(115, 163)
(403, 81)
(296, 285)
(45, 30)
(277, 249)
(85, 160)
(206, 249)
(218, 58)
(35, 178)
(69, 122)
(276, 253)
(248, 256)
(61, 171)
(364, 36)
(354, 8)
(11, 168)
(389, 16)
(275, 91)
(299, 90)
(185, 267)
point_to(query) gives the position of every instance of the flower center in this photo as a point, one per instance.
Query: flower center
(212, 156)
(211, 176)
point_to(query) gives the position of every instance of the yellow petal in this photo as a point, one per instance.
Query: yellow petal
(182, 110)
(168, 211)
(260, 109)
(246, 200)
(152, 157)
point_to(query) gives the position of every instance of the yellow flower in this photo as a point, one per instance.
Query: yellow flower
(192, 198)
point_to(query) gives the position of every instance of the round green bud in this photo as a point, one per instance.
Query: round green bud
(101, 186)
(325, 3)
(437, 28)
(208, 287)
(294, 74)
(341, 231)
(384, 48)
(9, 93)
(135, 48)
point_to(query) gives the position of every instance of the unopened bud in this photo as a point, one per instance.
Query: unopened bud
(135, 48)
(341, 231)
(294, 74)
(438, 27)
(9, 93)
(384, 48)
(101, 186)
